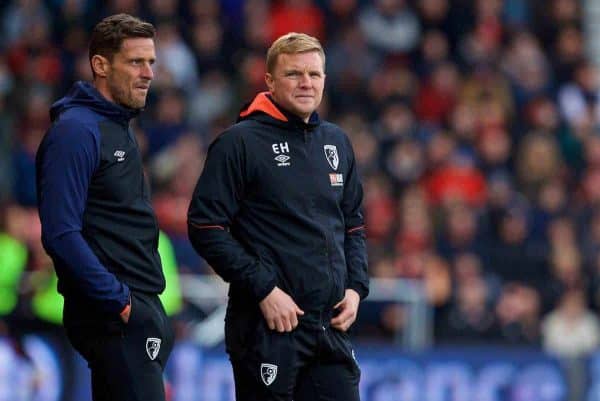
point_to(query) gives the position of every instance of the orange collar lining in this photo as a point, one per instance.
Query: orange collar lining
(262, 103)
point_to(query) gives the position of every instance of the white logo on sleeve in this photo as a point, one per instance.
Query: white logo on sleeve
(120, 155)
(331, 154)
(279, 149)
(268, 373)
(153, 347)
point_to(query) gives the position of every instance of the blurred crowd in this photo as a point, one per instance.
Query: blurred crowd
(474, 122)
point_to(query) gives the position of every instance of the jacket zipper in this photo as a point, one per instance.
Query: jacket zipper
(328, 252)
(324, 234)
(145, 197)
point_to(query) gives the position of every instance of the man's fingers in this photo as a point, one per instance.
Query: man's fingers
(339, 326)
(343, 321)
(342, 317)
(349, 322)
(345, 325)
(279, 325)
(287, 322)
(280, 311)
(294, 320)
(338, 304)
(288, 326)
(338, 320)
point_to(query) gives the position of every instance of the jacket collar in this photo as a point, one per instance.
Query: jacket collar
(264, 104)
(84, 94)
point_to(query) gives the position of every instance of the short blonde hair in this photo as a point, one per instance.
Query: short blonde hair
(292, 43)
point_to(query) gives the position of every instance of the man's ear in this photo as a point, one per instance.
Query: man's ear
(100, 65)
(269, 81)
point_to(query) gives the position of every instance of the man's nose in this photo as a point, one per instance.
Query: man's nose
(147, 71)
(305, 80)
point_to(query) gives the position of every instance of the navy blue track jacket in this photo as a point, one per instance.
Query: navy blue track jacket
(98, 225)
(279, 204)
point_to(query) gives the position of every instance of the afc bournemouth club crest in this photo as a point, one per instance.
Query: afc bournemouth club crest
(268, 373)
(153, 347)
(331, 154)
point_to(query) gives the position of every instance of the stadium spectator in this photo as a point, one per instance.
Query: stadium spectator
(571, 330)
(391, 26)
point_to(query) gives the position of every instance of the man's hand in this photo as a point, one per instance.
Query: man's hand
(280, 311)
(348, 308)
(125, 313)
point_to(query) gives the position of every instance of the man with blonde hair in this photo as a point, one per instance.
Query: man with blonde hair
(277, 214)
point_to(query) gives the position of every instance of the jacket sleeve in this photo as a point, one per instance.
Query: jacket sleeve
(355, 240)
(65, 163)
(213, 208)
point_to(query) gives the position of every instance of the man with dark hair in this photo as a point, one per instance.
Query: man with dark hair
(277, 213)
(98, 225)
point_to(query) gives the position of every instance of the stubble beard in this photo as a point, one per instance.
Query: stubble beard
(125, 98)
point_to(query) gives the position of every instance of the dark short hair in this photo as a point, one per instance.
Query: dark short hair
(108, 35)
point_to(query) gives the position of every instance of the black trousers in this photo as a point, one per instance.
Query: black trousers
(126, 360)
(307, 364)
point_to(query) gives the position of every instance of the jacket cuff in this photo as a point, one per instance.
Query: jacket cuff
(261, 283)
(262, 291)
(125, 299)
(362, 290)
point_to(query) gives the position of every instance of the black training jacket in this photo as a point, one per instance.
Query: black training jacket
(279, 204)
(97, 220)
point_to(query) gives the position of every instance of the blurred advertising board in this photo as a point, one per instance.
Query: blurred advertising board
(46, 370)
